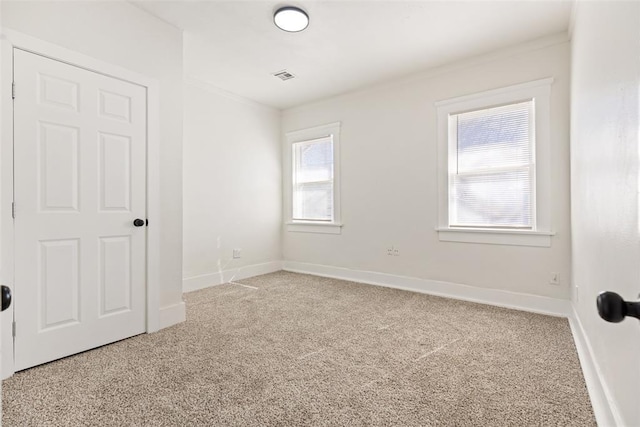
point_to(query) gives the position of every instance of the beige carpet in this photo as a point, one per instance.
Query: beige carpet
(290, 349)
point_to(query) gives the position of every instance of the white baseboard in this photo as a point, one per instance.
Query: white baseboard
(526, 302)
(604, 407)
(225, 276)
(172, 315)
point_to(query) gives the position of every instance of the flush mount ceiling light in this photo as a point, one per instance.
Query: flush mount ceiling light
(291, 19)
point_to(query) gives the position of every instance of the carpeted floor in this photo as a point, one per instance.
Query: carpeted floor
(291, 349)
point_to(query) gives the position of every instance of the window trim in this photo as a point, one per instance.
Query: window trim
(303, 135)
(540, 235)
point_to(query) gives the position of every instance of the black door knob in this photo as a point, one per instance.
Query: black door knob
(6, 297)
(138, 222)
(613, 308)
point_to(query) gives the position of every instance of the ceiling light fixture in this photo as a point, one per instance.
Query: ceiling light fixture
(291, 19)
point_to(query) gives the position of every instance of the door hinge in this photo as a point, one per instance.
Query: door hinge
(13, 210)
(13, 329)
(13, 90)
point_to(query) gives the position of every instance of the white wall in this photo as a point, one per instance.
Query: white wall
(232, 186)
(389, 188)
(605, 120)
(119, 33)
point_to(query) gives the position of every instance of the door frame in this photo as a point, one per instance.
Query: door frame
(9, 41)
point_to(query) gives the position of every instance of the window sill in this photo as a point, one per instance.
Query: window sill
(496, 237)
(314, 227)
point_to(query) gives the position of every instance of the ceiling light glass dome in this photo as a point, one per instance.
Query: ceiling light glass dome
(291, 19)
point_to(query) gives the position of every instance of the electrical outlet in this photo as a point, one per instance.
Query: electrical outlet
(554, 279)
(237, 253)
(393, 251)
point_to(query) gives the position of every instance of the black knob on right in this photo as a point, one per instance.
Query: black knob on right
(138, 222)
(613, 308)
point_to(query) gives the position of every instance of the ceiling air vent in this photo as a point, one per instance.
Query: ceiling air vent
(284, 75)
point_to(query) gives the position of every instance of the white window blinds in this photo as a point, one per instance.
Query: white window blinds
(491, 167)
(313, 180)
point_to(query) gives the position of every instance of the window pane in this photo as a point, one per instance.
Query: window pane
(491, 199)
(494, 137)
(313, 201)
(314, 161)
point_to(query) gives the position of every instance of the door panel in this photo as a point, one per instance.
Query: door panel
(58, 283)
(115, 106)
(58, 167)
(57, 92)
(115, 172)
(115, 275)
(80, 167)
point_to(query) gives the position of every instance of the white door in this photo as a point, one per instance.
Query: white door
(80, 167)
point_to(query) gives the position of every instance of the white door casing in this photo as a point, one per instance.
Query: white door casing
(80, 181)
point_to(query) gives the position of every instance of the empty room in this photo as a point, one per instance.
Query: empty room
(320, 213)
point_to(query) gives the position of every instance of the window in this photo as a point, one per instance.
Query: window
(491, 167)
(494, 173)
(313, 180)
(313, 195)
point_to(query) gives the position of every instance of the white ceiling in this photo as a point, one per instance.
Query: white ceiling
(349, 44)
